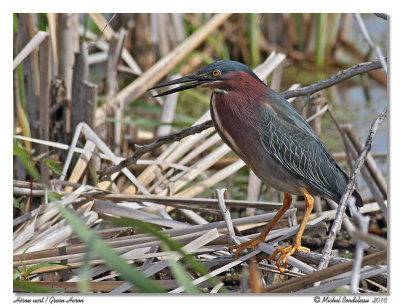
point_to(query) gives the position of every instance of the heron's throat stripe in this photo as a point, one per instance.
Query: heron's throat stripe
(220, 91)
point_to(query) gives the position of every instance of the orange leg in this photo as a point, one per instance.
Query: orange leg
(287, 200)
(296, 245)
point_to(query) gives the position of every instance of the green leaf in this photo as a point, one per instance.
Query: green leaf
(15, 22)
(24, 157)
(17, 274)
(42, 21)
(55, 195)
(40, 156)
(53, 165)
(94, 175)
(19, 202)
(32, 269)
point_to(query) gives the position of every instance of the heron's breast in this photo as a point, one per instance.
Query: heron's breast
(237, 131)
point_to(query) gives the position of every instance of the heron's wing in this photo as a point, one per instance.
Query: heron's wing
(291, 141)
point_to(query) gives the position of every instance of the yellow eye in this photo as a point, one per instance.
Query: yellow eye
(216, 73)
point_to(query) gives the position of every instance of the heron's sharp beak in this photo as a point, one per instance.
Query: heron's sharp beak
(192, 81)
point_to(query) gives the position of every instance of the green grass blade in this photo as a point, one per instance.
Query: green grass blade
(320, 51)
(23, 156)
(253, 39)
(32, 287)
(179, 272)
(299, 27)
(32, 269)
(83, 282)
(112, 259)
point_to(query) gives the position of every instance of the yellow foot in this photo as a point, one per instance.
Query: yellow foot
(285, 253)
(253, 242)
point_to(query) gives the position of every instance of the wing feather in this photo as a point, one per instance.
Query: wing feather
(292, 142)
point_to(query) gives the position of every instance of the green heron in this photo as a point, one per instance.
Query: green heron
(272, 138)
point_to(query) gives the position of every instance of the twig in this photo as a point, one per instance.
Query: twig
(370, 239)
(140, 150)
(367, 38)
(349, 190)
(333, 80)
(227, 217)
(381, 15)
(363, 222)
(44, 107)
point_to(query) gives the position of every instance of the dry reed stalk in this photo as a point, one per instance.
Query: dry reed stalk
(114, 55)
(121, 211)
(52, 28)
(227, 217)
(68, 44)
(31, 73)
(44, 108)
(81, 165)
(44, 221)
(253, 191)
(199, 167)
(25, 232)
(111, 87)
(168, 111)
(31, 46)
(59, 233)
(170, 200)
(208, 143)
(19, 117)
(162, 31)
(212, 180)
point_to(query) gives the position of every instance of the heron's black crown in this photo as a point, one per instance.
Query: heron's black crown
(226, 66)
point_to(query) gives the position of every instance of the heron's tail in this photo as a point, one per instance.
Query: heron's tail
(359, 201)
